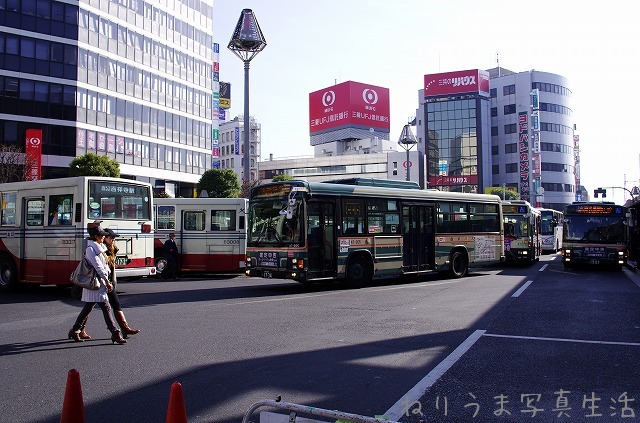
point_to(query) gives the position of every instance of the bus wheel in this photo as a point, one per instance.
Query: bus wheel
(359, 272)
(8, 274)
(459, 265)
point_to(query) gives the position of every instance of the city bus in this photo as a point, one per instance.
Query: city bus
(362, 229)
(595, 234)
(521, 231)
(551, 230)
(211, 233)
(43, 227)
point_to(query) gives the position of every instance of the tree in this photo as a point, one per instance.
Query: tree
(219, 183)
(94, 165)
(282, 177)
(246, 187)
(11, 168)
(505, 194)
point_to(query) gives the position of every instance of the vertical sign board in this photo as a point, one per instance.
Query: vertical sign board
(523, 142)
(33, 154)
(215, 107)
(236, 140)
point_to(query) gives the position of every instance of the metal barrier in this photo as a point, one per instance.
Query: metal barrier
(313, 411)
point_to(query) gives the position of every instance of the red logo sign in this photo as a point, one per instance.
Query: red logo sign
(33, 154)
(467, 81)
(453, 180)
(349, 105)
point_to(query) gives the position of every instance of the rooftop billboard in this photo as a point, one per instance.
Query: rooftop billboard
(349, 105)
(458, 82)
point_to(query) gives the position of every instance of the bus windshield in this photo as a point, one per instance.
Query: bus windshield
(516, 226)
(116, 200)
(595, 228)
(547, 225)
(275, 222)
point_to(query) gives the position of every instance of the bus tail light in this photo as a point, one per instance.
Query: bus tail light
(300, 264)
(145, 228)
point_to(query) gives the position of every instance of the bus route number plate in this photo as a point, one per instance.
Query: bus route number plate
(594, 261)
(122, 260)
(267, 274)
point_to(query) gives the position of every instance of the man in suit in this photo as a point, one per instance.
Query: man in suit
(170, 252)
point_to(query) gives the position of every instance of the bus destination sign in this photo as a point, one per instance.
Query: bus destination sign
(280, 190)
(595, 209)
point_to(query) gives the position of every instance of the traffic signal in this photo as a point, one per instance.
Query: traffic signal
(599, 191)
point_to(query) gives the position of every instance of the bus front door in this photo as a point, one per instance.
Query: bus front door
(321, 239)
(418, 247)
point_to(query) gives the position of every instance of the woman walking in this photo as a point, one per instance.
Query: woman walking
(94, 254)
(114, 301)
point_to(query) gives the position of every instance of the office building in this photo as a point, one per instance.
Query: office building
(130, 79)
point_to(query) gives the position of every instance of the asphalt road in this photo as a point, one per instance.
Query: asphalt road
(391, 348)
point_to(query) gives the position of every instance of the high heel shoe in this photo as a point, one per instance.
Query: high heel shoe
(75, 336)
(116, 337)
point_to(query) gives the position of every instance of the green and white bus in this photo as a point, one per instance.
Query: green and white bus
(357, 230)
(522, 242)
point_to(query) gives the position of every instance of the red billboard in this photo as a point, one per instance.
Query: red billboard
(349, 104)
(466, 81)
(33, 154)
(453, 180)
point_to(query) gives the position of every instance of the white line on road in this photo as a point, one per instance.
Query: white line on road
(543, 267)
(400, 407)
(580, 341)
(521, 290)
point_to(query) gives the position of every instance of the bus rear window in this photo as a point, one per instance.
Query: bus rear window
(114, 200)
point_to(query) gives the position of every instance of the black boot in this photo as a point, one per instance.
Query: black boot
(116, 337)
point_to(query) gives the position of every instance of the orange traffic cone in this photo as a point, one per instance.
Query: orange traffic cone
(177, 412)
(73, 406)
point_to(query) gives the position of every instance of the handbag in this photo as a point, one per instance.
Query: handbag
(85, 276)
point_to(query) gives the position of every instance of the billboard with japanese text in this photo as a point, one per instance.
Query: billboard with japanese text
(349, 104)
(458, 82)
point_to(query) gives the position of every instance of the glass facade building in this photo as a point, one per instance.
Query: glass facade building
(130, 79)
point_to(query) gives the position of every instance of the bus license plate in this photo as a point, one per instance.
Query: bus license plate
(594, 261)
(122, 261)
(267, 274)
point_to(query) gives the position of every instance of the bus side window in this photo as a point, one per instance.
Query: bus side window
(8, 210)
(60, 209)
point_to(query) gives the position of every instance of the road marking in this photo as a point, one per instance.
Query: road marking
(579, 341)
(398, 409)
(521, 290)
(543, 267)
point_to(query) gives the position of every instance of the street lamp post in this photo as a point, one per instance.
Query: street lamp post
(407, 141)
(247, 41)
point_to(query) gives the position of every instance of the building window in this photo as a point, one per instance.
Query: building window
(509, 109)
(494, 111)
(494, 131)
(495, 169)
(509, 89)
(511, 148)
(494, 150)
(510, 128)
(493, 92)
(511, 168)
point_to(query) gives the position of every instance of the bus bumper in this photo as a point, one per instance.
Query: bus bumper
(136, 272)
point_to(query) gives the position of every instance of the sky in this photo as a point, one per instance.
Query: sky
(393, 44)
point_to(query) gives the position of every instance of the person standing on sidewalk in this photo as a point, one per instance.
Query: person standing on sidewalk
(94, 254)
(114, 301)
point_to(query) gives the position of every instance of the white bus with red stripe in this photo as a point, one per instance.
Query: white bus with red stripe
(211, 233)
(43, 227)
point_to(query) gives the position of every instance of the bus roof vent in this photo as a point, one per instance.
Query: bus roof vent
(373, 182)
